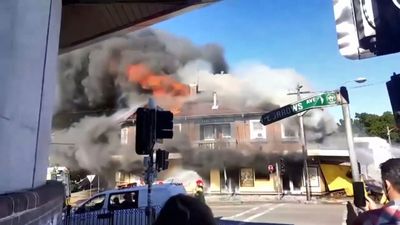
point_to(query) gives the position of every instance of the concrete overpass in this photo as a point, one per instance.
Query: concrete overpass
(32, 34)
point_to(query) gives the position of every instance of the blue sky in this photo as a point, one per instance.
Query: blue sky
(293, 34)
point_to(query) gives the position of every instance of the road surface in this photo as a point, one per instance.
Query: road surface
(281, 213)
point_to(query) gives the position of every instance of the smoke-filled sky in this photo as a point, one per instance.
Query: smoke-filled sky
(289, 34)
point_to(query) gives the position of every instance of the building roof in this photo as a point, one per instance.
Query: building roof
(204, 109)
(86, 21)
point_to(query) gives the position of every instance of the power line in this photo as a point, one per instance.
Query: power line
(367, 85)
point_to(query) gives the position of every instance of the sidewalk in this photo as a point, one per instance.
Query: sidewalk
(273, 198)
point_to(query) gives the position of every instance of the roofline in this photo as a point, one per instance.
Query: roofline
(219, 115)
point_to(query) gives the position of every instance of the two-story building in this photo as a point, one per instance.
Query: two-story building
(217, 127)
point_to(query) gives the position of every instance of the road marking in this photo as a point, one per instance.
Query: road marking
(344, 217)
(245, 212)
(262, 213)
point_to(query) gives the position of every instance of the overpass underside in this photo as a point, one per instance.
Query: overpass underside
(86, 21)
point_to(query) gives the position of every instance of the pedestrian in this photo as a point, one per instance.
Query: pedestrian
(389, 213)
(185, 210)
(199, 191)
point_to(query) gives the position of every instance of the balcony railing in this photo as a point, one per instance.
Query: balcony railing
(216, 144)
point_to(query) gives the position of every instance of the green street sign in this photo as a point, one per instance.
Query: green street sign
(322, 100)
(318, 101)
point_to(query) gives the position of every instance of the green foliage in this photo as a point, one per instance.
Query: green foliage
(373, 125)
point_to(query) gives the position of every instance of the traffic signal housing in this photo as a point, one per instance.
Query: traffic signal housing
(393, 87)
(164, 125)
(145, 139)
(162, 162)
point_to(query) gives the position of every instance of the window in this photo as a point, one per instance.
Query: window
(262, 174)
(94, 204)
(246, 177)
(177, 128)
(215, 131)
(257, 130)
(124, 135)
(124, 200)
(289, 132)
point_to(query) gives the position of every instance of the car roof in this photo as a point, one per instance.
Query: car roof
(138, 188)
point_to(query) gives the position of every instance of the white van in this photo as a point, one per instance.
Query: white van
(120, 207)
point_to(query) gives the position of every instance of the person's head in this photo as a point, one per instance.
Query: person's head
(128, 197)
(185, 210)
(199, 183)
(390, 171)
(116, 200)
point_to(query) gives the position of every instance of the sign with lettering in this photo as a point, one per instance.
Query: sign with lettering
(318, 101)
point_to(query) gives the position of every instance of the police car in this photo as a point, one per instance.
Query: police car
(125, 206)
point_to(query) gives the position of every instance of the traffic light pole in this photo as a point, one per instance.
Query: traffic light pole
(150, 166)
(152, 124)
(149, 178)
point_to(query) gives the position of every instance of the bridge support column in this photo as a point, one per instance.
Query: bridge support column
(29, 34)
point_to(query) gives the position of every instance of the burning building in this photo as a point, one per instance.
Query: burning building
(217, 133)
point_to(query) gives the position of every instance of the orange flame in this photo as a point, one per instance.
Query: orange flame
(167, 91)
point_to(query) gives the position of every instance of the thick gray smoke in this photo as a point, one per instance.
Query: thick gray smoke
(93, 80)
(234, 156)
(93, 89)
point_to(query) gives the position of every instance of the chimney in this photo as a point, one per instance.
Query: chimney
(215, 102)
(193, 89)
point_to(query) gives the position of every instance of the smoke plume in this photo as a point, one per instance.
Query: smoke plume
(97, 83)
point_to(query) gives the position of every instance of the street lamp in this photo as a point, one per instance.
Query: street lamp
(358, 185)
(360, 80)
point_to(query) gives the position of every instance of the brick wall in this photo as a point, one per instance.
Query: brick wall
(42, 205)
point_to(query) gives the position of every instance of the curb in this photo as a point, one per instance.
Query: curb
(293, 200)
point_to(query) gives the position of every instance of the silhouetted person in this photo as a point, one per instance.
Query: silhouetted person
(116, 204)
(389, 213)
(128, 203)
(185, 210)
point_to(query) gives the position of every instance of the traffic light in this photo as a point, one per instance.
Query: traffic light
(282, 166)
(393, 87)
(164, 125)
(162, 160)
(144, 131)
(345, 95)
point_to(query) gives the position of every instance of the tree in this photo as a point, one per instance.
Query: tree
(373, 125)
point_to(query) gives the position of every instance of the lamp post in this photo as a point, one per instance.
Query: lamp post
(349, 131)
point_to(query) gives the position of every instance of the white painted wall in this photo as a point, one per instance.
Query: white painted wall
(29, 37)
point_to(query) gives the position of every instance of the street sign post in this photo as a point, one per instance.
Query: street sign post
(322, 100)
(90, 178)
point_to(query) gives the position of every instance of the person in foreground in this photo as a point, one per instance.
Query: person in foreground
(185, 210)
(389, 213)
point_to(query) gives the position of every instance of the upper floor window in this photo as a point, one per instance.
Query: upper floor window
(257, 130)
(177, 128)
(215, 131)
(124, 135)
(289, 132)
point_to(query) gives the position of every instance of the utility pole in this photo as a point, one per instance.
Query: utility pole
(388, 131)
(303, 142)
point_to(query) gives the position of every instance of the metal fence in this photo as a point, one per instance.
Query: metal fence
(108, 217)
